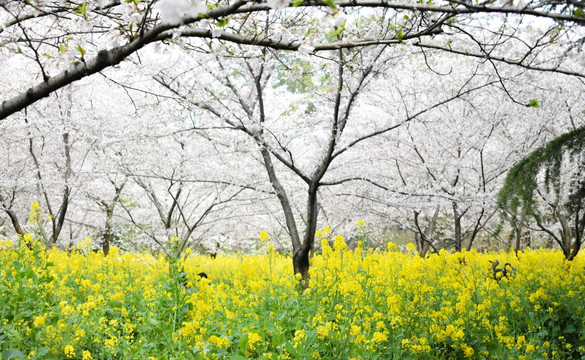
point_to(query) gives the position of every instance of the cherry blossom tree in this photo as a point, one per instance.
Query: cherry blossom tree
(66, 41)
(247, 95)
(449, 164)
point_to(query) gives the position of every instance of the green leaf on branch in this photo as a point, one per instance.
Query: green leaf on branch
(330, 3)
(533, 103)
(222, 22)
(81, 50)
(82, 10)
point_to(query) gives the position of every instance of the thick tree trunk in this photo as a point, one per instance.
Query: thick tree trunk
(579, 226)
(518, 234)
(301, 251)
(519, 231)
(301, 266)
(301, 256)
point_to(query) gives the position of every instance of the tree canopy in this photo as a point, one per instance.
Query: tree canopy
(69, 40)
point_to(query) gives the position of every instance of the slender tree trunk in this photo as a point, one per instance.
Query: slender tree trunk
(284, 201)
(59, 220)
(423, 237)
(457, 218)
(418, 242)
(431, 232)
(108, 233)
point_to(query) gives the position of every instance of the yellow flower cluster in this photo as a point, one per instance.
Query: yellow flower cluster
(34, 216)
(359, 304)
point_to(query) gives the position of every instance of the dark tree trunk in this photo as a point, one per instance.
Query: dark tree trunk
(108, 231)
(108, 235)
(59, 220)
(13, 218)
(457, 217)
(518, 232)
(423, 237)
(301, 266)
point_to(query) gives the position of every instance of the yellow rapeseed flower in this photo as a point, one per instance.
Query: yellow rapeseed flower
(69, 351)
(40, 320)
(467, 350)
(34, 216)
(339, 243)
(221, 342)
(264, 237)
(322, 332)
(253, 340)
(379, 337)
(27, 238)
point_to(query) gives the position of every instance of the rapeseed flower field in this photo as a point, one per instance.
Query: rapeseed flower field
(359, 304)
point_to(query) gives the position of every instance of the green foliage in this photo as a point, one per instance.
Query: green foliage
(522, 180)
(25, 293)
(222, 23)
(533, 103)
(82, 10)
(335, 33)
(81, 50)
